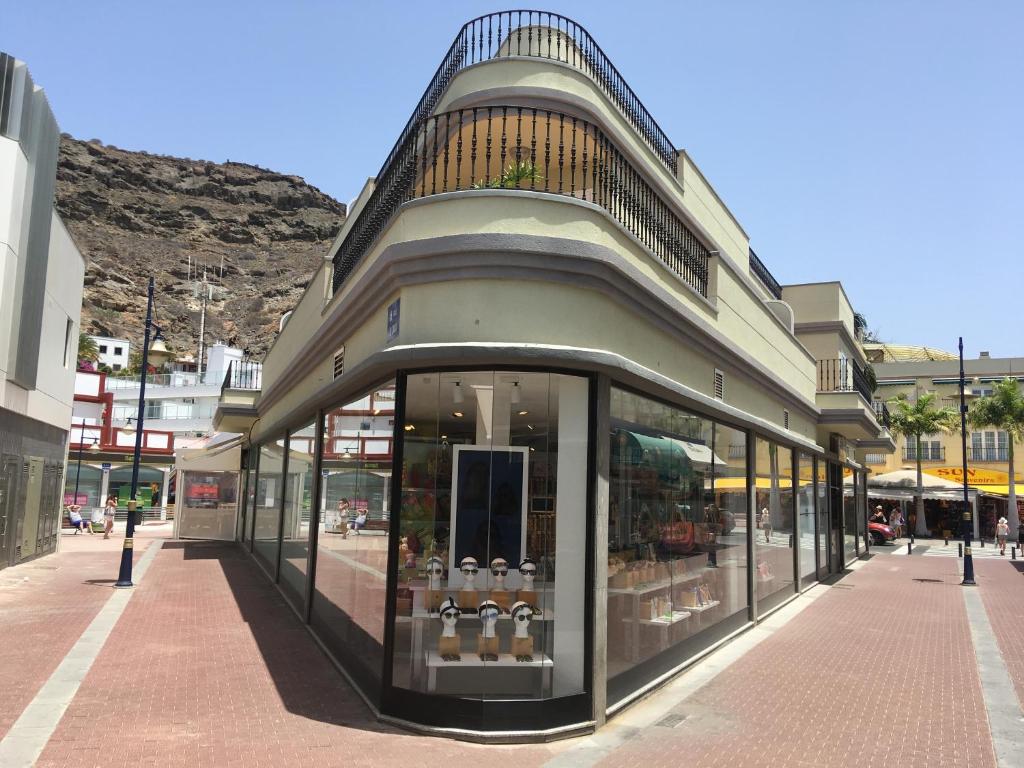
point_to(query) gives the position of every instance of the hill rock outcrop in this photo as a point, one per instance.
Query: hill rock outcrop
(258, 236)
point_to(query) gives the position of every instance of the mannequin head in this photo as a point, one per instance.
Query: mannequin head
(528, 570)
(435, 567)
(489, 612)
(469, 568)
(499, 570)
(449, 617)
(522, 615)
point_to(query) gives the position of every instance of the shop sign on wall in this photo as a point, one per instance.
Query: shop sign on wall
(393, 319)
(981, 476)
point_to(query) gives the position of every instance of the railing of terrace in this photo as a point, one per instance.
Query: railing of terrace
(243, 374)
(501, 147)
(507, 33)
(843, 375)
(767, 279)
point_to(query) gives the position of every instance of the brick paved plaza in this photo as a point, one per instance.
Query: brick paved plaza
(208, 666)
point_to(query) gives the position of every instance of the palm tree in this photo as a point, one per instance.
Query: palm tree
(911, 421)
(87, 349)
(518, 172)
(1004, 410)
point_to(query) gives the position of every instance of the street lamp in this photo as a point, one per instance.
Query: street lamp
(966, 520)
(159, 354)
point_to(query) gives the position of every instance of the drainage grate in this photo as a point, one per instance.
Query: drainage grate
(930, 581)
(671, 720)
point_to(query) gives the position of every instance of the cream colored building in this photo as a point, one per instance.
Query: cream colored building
(581, 370)
(913, 371)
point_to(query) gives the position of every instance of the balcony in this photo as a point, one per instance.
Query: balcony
(528, 149)
(843, 375)
(975, 453)
(760, 271)
(881, 412)
(928, 453)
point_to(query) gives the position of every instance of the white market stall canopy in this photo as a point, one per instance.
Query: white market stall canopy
(902, 484)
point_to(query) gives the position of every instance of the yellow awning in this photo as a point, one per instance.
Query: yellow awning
(740, 483)
(998, 490)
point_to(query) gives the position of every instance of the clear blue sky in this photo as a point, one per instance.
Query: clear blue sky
(878, 142)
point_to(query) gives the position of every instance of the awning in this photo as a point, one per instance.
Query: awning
(907, 494)
(996, 490)
(740, 483)
(698, 453)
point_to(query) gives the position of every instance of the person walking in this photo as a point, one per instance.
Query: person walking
(896, 521)
(1002, 531)
(766, 525)
(108, 516)
(343, 509)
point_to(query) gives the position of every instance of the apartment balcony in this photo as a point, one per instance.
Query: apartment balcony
(764, 276)
(988, 454)
(534, 151)
(847, 408)
(240, 388)
(930, 453)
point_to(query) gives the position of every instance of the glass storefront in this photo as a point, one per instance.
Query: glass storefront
(298, 492)
(805, 516)
(824, 529)
(208, 504)
(773, 539)
(268, 504)
(677, 536)
(491, 571)
(90, 481)
(349, 588)
(849, 516)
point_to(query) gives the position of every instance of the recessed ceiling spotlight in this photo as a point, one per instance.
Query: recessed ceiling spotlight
(523, 413)
(458, 414)
(529, 426)
(409, 427)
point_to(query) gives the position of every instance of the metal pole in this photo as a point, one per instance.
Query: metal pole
(967, 521)
(78, 471)
(124, 576)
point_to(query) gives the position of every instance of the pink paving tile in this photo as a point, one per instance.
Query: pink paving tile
(1002, 590)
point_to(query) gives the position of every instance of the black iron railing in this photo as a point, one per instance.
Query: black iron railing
(928, 453)
(761, 273)
(987, 454)
(523, 148)
(843, 375)
(737, 451)
(882, 413)
(541, 35)
(243, 374)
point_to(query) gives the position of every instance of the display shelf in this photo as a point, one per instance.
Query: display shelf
(422, 587)
(705, 607)
(655, 586)
(505, 660)
(548, 615)
(662, 621)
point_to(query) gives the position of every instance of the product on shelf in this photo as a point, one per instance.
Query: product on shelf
(435, 594)
(449, 641)
(522, 642)
(501, 596)
(469, 568)
(528, 572)
(487, 642)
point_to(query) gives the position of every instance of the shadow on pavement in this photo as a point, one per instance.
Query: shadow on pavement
(307, 682)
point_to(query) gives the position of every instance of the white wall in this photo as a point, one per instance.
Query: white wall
(109, 357)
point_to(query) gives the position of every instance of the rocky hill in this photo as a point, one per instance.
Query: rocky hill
(259, 235)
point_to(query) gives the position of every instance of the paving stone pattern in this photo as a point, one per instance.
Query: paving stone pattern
(1002, 591)
(878, 673)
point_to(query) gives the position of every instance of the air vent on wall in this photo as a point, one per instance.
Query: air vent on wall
(719, 385)
(785, 419)
(339, 362)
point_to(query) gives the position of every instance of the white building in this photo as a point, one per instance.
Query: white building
(41, 278)
(113, 353)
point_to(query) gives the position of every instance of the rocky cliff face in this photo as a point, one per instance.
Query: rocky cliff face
(258, 235)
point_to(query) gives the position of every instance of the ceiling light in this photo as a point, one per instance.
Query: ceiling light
(458, 414)
(515, 393)
(457, 393)
(409, 427)
(444, 437)
(523, 413)
(529, 426)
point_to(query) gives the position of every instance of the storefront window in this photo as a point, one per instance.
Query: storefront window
(352, 542)
(824, 530)
(849, 516)
(677, 536)
(862, 511)
(773, 540)
(492, 563)
(298, 491)
(90, 480)
(245, 513)
(268, 504)
(208, 504)
(805, 511)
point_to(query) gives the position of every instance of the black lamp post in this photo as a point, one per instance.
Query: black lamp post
(124, 576)
(966, 521)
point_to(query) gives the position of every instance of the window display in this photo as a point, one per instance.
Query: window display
(268, 504)
(773, 541)
(805, 499)
(493, 513)
(824, 529)
(349, 587)
(677, 536)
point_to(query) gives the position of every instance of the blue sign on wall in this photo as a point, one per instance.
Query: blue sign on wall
(106, 466)
(393, 318)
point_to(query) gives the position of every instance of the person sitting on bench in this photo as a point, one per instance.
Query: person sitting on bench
(75, 515)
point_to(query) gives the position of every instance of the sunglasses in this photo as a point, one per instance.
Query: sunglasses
(470, 569)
